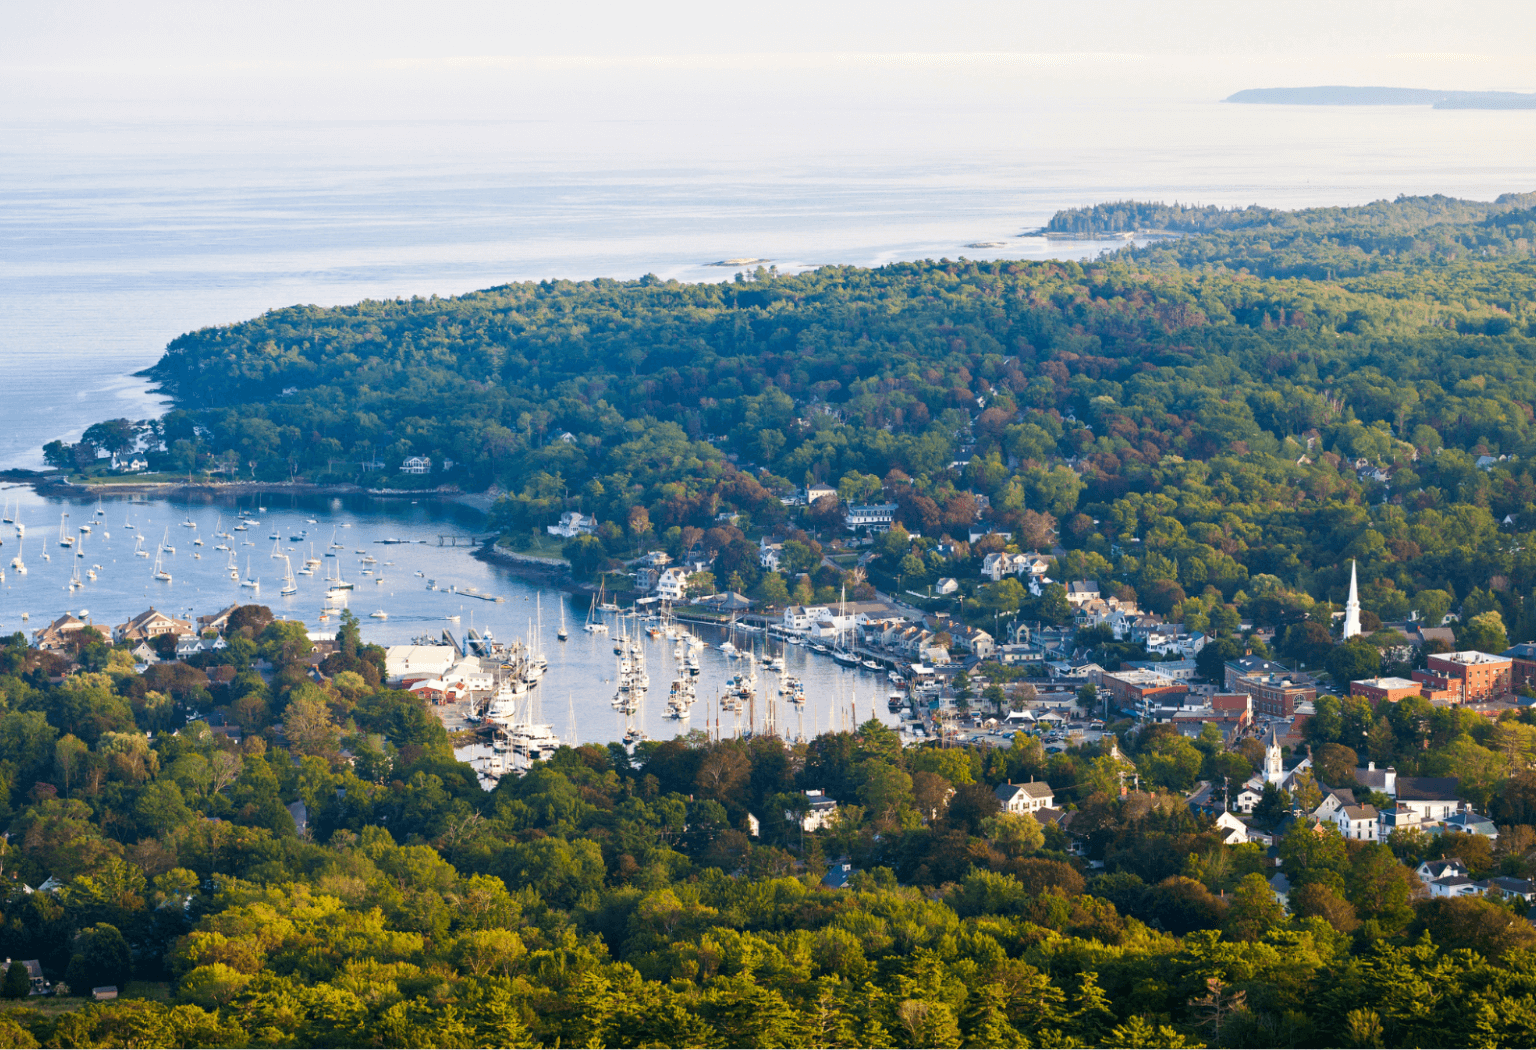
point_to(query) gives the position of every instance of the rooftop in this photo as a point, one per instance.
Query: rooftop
(1140, 677)
(1388, 683)
(1470, 656)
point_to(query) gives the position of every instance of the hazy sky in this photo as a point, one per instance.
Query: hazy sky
(704, 62)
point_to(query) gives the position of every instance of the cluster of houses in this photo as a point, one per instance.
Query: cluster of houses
(140, 633)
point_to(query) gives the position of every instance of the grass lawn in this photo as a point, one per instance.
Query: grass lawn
(132, 479)
(538, 544)
(55, 1005)
(47, 1005)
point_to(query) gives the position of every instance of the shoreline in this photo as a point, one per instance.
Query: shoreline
(554, 571)
(56, 485)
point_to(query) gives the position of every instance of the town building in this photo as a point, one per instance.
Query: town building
(799, 618)
(1080, 591)
(975, 641)
(1141, 691)
(1468, 675)
(1389, 689)
(1182, 670)
(1359, 822)
(1276, 690)
(404, 664)
(1372, 779)
(1429, 798)
(877, 517)
(1522, 670)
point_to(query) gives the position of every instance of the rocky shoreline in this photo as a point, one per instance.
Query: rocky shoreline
(50, 484)
(556, 571)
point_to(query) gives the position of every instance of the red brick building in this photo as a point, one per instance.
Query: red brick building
(1274, 694)
(1389, 689)
(1139, 690)
(1468, 675)
(1522, 671)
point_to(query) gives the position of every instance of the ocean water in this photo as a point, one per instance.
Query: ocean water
(116, 237)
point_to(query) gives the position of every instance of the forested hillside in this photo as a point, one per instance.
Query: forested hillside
(1233, 414)
(335, 878)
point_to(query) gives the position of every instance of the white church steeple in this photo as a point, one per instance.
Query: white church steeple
(1274, 764)
(1352, 606)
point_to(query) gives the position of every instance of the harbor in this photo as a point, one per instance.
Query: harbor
(309, 557)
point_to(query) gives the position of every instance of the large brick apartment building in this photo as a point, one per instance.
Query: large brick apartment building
(1467, 675)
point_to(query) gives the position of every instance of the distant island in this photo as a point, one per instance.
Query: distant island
(1336, 95)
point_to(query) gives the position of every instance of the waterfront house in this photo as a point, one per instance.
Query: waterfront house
(58, 633)
(150, 624)
(799, 618)
(672, 585)
(573, 523)
(218, 621)
(416, 465)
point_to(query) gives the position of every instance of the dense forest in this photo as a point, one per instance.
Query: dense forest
(618, 898)
(1223, 418)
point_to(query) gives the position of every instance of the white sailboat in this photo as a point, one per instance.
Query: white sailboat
(561, 633)
(138, 548)
(290, 585)
(65, 539)
(277, 547)
(250, 580)
(165, 544)
(160, 573)
(595, 624)
(16, 562)
(9, 518)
